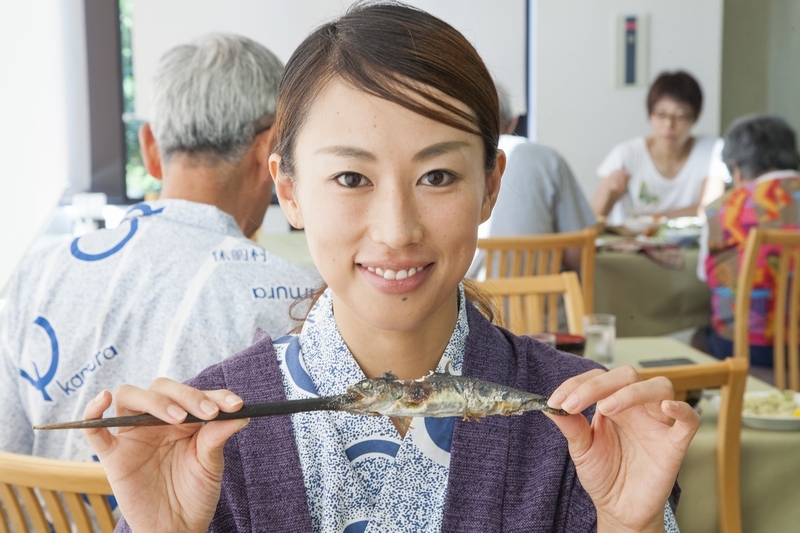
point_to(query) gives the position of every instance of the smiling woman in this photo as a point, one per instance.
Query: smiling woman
(387, 128)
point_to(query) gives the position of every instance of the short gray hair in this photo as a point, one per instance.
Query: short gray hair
(506, 113)
(757, 144)
(213, 96)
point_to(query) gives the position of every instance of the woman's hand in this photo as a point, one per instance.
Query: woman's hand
(628, 458)
(165, 478)
(609, 191)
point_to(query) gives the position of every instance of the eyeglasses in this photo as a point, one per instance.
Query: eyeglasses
(683, 118)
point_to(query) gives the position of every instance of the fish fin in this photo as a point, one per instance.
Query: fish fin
(390, 375)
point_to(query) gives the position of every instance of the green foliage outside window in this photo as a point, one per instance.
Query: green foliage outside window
(138, 182)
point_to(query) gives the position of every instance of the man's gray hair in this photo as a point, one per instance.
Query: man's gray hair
(506, 113)
(757, 144)
(213, 96)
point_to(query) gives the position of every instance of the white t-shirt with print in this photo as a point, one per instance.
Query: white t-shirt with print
(649, 191)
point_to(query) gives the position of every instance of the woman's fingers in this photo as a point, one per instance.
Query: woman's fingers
(172, 401)
(565, 389)
(100, 439)
(638, 393)
(211, 440)
(580, 392)
(576, 430)
(687, 421)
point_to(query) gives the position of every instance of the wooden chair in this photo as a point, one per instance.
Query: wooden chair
(34, 490)
(787, 242)
(536, 255)
(520, 302)
(730, 375)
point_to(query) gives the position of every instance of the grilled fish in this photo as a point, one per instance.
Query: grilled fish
(440, 395)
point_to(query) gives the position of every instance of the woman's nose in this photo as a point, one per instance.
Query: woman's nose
(394, 219)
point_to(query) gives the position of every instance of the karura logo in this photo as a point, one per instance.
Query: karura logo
(134, 225)
(41, 381)
(73, 382)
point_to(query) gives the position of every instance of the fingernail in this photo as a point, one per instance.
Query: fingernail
(99, 397)
(556, 400)
(176, 412)
(571, 403)
(608, 406)
(208, 408)
(673, 406)
(233, 400)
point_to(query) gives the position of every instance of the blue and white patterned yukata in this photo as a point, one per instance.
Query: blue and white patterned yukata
(360, 476)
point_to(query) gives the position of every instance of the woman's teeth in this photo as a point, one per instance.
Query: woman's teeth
(395, 274)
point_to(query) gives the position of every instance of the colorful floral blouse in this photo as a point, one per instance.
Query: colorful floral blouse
(771, 201)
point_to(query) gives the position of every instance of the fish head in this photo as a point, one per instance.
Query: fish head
(376, 392)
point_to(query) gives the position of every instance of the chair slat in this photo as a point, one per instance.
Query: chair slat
(16, 515)
(102, 512)
(503, 267)
(58, 516)
(779, 322)
(4, 527)
(78, 511)
(34, 509)
(794, 317)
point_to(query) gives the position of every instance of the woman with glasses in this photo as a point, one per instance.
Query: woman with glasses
(670, 173)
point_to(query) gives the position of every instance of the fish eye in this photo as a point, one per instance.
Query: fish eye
(367, 385)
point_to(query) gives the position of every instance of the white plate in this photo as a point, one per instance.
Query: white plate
(774, 423)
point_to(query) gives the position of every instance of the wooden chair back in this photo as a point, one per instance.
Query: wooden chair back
(522, 303)
(537, 255)
(36, 492)
(730, 375)
(786, 297)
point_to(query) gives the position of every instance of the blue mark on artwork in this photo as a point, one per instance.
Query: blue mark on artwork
(297, 373)
(357, 527)
(440, 431)
(380, 446)
(40, 382)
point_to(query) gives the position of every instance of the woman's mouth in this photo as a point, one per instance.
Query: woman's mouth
(391, 275)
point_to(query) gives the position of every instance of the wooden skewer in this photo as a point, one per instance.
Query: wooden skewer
(285, 407)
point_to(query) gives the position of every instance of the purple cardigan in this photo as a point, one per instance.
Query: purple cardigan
(510, 474)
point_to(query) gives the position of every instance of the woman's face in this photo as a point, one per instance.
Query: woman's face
(390, 202)
(671, 121)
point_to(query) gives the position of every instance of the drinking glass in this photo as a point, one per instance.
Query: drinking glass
(600, 331)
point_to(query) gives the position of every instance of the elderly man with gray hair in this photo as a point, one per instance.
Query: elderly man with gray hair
(177, 286)
(761, 154)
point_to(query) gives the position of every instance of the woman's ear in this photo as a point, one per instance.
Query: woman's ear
(286, 192)
(493, 186)
(150, 153)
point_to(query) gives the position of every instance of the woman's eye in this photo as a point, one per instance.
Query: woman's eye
(352, 180)
(437, 178)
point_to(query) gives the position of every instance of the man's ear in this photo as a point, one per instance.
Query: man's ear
(286, 192)
(493, 186)
(150, 153)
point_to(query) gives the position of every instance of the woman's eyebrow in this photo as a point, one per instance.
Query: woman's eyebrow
(439, 149)
(348, 151)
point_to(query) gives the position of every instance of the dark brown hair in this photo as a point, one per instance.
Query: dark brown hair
(678, 85)
(398, 53)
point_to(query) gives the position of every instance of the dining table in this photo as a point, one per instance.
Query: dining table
(770, 460)
(658, 300)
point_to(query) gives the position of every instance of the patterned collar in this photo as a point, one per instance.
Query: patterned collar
(359, 475)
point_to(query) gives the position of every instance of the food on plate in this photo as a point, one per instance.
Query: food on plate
(777, 403)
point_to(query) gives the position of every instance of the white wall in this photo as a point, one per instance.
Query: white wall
(497, 33)
(580, 112)
(37, 102)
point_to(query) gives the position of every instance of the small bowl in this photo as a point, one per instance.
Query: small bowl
(573, 344)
